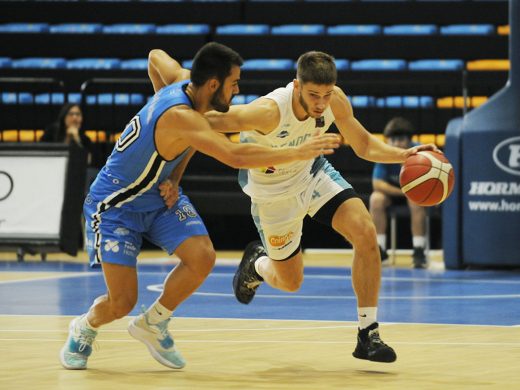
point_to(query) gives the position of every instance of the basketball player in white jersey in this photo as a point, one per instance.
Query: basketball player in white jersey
(283, 194)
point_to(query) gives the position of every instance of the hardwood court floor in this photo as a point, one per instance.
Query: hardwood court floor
(262, 354)
(248, 353)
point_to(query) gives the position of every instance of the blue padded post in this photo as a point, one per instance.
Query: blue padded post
(482, 219)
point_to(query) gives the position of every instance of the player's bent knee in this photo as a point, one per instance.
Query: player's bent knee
(377, 200)
(364, 233)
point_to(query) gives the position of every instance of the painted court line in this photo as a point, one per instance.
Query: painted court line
(306, 341)
(53, 277)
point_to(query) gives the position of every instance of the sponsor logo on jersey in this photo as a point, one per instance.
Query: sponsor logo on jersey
(121, 231)
(283, 134)
(111, 246)
(269, 170)
(278, 241)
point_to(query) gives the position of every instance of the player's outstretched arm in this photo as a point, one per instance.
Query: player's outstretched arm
(366, 145)
(261, 115)
(195, 129)
(164, 70)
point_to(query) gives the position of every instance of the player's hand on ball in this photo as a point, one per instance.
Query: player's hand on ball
(420, 148)
(169, 192)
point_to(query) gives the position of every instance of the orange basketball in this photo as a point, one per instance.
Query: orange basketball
(427, 178)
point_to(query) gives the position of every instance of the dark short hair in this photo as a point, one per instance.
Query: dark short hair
(317, 67)
(399, 126)
(213, 60)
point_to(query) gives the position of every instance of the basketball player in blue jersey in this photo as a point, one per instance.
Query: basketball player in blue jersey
(125, 201)
(282, 194)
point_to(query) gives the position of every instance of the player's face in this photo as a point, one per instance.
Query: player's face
(315, 98)
(224, 94)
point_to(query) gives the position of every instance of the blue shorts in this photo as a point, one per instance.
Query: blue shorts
(115, 235)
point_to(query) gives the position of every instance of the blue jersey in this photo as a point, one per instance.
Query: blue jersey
(134, 170)
(389, 172)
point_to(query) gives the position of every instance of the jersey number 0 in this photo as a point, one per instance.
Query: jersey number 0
(129, 138)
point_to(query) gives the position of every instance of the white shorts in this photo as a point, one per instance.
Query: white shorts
(280, 222)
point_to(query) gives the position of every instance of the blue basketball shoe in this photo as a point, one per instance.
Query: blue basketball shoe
(157, 339)
(78, 347)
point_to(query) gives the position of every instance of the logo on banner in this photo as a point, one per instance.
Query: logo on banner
(6, 185)
(506, 155)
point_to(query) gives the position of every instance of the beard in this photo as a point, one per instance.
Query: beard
(305, 106)
(218, 103)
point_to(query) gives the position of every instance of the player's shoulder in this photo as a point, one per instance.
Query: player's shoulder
(180, 116)
(340, 104)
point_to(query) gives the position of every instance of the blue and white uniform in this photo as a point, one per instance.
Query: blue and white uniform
(283, 195)
(124, 203)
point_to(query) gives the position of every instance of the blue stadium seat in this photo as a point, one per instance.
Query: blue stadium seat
(24, 28)
(468, 29)
(342, 64)
(250, 98)
(129, 28)
(239, 99)
(183, 29)
(39, 63)
(94, 63)
(187, 64)
(378, 65)
(50, 98)
(354, 29)
(17, 98)
(243, 29)
(435, 65)
(76, 28)
(410, 29)
(298, 29)
(5, 62)
(405, 101)
(268, 64)
(363, 101)
(135, 64)
(74, 97)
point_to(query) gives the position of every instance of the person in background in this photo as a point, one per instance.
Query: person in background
(67, 129)
(387, 191)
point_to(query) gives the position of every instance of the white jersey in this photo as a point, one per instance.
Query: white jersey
(284, 180)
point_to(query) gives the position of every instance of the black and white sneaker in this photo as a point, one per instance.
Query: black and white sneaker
(371, 347)
(385, 260)
(246, 279)
(419, 258)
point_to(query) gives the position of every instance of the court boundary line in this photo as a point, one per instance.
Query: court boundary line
(275, 319)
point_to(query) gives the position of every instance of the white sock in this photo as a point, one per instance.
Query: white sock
(257, 264)
(83, 322)
(158, 313)
(366, 316)
(419, 241)
(381, 240)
